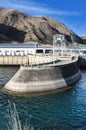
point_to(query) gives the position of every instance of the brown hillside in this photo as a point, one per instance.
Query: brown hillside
(20, 27)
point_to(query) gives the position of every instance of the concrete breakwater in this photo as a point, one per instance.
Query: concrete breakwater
(44, 78)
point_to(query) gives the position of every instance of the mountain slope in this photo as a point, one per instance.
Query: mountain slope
(83, 37)
(20, 27)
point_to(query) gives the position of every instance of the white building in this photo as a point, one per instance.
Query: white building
(22, 49)
(32, 49)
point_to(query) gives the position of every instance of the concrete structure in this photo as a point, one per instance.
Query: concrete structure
(26, 49)
(82, 62)
(48, 78)
(58, 40)
(18, 54)
(14, 60)
(16, 49)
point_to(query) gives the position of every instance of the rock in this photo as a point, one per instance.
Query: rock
(20, 27)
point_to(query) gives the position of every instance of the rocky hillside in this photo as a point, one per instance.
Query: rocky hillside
(18, 27)
(84, 38)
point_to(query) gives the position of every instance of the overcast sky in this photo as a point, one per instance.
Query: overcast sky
(70, 12)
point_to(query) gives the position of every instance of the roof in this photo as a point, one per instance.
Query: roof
(14, 45)
(22, 45)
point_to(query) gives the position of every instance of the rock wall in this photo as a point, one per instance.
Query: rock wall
(43, 79)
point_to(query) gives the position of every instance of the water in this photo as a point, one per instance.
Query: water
(64, 109)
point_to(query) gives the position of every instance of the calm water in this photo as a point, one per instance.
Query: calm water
(63, 109)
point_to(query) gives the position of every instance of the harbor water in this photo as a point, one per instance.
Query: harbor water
(66, 109)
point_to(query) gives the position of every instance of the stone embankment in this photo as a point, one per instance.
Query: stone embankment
(44, 78)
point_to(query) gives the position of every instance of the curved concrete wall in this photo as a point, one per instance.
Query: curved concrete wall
(82, 62)
(49, 78)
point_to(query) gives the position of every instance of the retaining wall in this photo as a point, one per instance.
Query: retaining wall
(43, 79)
(82, 62)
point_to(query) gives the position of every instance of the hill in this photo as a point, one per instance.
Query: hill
(84, 38)
(19, 27)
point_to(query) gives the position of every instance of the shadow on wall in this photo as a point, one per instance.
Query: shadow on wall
(68, 71)
(8, 33)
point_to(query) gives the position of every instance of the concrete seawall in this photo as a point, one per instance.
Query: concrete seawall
(43, 79)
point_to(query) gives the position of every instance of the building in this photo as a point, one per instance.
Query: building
(23, 49)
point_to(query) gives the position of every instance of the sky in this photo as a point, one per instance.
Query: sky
(70, 12)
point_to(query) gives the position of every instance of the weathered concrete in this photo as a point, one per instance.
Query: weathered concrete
(43, 79)
(82, 62)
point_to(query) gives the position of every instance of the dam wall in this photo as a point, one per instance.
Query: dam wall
(82, 62)
(44, 79)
